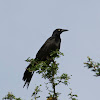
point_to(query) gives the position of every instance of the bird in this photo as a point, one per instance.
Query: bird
(52, 44)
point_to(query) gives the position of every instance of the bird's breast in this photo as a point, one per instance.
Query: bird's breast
(57, 43)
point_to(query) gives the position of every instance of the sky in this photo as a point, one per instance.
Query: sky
(24, 27)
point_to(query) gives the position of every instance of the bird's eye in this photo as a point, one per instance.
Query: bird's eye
(58, 29)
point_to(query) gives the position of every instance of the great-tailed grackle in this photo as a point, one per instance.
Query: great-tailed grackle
(51, 44)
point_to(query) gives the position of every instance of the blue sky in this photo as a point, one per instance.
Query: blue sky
(24, 27)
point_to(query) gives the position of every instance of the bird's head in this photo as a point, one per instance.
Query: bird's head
(58, 31)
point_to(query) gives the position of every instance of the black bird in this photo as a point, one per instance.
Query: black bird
(51, 44)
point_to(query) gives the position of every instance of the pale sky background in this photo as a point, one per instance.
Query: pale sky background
(24, 27)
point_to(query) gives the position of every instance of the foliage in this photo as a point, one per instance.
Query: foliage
(72, 96)
(10, 96)
(36, 91)
(49, 69)
(94, 66)
(63, 79)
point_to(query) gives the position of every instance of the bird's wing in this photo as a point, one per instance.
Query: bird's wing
(48, 46)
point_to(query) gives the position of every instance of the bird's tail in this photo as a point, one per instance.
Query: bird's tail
(27, 76)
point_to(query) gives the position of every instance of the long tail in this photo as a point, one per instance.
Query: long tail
(27, 76)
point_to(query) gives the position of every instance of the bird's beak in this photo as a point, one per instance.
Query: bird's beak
(63, 30)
